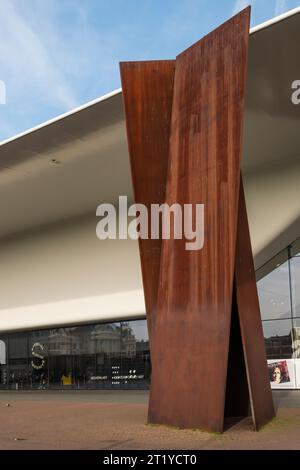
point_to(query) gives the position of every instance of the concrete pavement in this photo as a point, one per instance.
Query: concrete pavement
(117, 420)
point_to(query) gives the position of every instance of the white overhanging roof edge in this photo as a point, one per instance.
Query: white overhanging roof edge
(113, 93)
(62, 116)
(274, 20)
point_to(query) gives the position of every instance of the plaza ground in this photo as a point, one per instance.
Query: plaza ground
(117, 420)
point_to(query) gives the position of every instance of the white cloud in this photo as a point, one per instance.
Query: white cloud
(240, 5)
(280, 7)
(25, 62)
(52, 59)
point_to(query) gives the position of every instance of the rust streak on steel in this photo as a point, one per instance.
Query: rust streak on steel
(190, 339)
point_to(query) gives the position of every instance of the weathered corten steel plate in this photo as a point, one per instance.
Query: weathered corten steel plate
(250, 323)
(191, 333)
(147, 94)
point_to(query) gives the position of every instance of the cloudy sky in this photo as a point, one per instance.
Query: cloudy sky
(58, 54)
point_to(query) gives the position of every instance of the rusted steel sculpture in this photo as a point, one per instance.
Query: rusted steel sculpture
(184, 122)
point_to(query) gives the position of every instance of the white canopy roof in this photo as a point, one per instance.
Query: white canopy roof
(67, 166)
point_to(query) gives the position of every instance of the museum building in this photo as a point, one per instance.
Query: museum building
(72, 311)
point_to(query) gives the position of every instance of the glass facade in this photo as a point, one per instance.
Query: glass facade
(279, 295)
(101, 356)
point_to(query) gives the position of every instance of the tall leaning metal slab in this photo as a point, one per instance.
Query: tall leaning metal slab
(191, 337)
(148, 94)
(260, 396)
(184, 124)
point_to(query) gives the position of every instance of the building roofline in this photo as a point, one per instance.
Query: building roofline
(113, 93)
(62, 116)
(276, 19)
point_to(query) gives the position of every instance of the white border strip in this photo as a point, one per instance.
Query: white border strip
(253, 30)
(62, 116)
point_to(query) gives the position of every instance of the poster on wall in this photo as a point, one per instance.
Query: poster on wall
(282, 373)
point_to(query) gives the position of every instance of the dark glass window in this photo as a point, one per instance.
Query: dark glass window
(18, 375)
(105, 355)
(296, 339)
(84, 365)
(3, 363)
(274, 294)
(278, 339)
(295, 285)
(38, 359)
(60, 358)
(135, 371)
